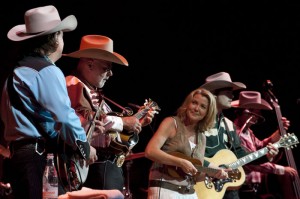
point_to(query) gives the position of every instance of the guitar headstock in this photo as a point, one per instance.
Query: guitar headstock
(151, 105)
(288, 141)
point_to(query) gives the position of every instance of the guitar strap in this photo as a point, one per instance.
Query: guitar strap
(198, 143)
(230, 138)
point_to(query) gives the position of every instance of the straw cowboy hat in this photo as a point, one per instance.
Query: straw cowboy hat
(41, 21)
(221, 80)
(98, 47)
(251, 100)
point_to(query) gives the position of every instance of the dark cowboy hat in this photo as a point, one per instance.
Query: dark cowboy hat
(251, 100)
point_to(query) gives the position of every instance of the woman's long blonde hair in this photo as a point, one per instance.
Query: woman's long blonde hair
(209, 120)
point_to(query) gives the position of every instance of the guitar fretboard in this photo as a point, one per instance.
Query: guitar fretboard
(287, 141)
(139, 115)
(248, 158)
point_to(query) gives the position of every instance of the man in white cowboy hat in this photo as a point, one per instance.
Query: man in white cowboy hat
(96, 56)
(35, 106)
(223, 135)
(248, 113)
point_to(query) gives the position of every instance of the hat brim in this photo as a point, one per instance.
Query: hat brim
(214, 85)
(263, 106)
(97, 53)
(18, 33)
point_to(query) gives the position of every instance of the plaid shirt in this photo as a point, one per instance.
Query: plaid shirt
(254, 172)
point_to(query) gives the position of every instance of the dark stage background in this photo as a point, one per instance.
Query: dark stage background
(172, 46)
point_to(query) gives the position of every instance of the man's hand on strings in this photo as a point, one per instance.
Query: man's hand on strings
(148, 118)
(132, 124)
(285, 122)
(99, 128)
(276, 135)
(93, 156)
(273, 151)
(291, 172)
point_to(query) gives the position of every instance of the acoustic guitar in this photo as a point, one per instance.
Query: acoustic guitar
(215, 188)
(177, 172)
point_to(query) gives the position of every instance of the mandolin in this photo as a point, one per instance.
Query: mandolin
(129, 139)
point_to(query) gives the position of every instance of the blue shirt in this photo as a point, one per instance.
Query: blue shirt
(43, 93)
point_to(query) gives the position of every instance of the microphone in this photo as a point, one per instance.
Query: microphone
(257, 116)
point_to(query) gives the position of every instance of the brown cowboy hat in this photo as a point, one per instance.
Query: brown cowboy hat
(221, 80)
(98, 47)
(251, 100)
(41, 21)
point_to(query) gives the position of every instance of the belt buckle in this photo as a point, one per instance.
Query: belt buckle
(120, 160)
(185, 189)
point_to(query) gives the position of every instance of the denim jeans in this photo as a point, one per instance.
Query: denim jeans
(26, 172)
(105, 175)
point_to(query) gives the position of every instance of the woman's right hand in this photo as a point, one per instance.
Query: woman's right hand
(222, 173)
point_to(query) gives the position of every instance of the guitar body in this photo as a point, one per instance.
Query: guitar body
(177, 172)
(72, 169)
(216, 188)
(117, 147)
(130, 138)
(124, 147)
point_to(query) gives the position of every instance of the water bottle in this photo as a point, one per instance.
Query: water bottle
(50, 179)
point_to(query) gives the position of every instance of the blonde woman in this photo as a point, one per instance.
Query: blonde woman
(178, 146)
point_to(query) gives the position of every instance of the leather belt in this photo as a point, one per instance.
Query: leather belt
(105, 157)
(40, 144)
(167, 185)
(115, 159)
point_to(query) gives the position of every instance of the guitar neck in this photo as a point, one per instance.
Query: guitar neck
(250, 157)
(147, 106)
(96, 116)
(139, 115)
(279, 116)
